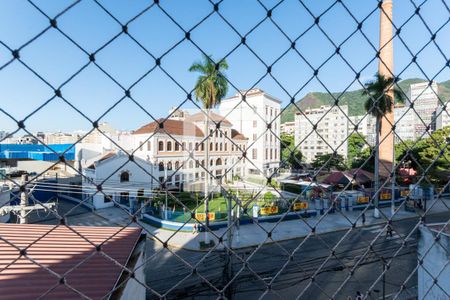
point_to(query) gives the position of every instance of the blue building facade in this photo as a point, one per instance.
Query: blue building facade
(50, 152)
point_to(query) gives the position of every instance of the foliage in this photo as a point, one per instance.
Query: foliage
(379, 101)
(211, 85)
(329, 161)
(356, 144)
(290, 156)
(268, 196)
(353, 99)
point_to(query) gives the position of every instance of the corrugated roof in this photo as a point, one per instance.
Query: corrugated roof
(61, 250)
(173, 127)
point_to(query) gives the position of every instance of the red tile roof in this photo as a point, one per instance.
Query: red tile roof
(213, 116)
(173, 127)
(237, 135)
(60, 250)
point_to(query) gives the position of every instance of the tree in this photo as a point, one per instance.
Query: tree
(433, 155)
(211, 87)
(328, 161)
(356, 144)
(289, 155)
(381, 94)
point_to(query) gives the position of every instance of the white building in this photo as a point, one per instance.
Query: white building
(366, 127)
(330, 135)
(61, 138)
(177, 148)
(442, 117)
(405, 123)
(253, 117)
(426, 101)
(287, 127)
(122, 180)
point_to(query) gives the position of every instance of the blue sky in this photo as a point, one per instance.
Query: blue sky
(56, 59)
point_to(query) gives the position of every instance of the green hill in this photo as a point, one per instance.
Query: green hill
(353, 99)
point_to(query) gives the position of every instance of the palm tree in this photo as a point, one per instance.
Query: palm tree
(381, 92)
(211, 87)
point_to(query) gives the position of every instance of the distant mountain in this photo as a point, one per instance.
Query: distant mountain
(353, 99)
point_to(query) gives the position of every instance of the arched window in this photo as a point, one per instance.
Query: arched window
(203, 147)
(197, 163)
(169, 146)
(124, 176)
(177, 146)
(221, 148)
(211, 162)
(161, 166)
(191, 164)
(218, 162)
(183, 147)
(217, 146)
(196, 147)
(177, 165)
(160, 146)
(169, 165)
(226, 144)
(211, 146)
(203, 163)
(190, 146)
(225, 161)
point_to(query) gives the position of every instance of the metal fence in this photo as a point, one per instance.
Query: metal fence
(224, 233)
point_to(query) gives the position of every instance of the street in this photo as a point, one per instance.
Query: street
(287, 267)
(171, 272)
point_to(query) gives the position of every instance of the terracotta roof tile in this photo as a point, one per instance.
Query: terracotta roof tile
(173, 127)
(237, 135)
(213, 116)
(60, 250)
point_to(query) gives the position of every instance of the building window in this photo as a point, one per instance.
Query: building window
(161, 166)
(107, 199)
(203, 147)
(169, 146)
(267, 152)
(140, 145)
(226, 146)
(217, 147)
(218, 162)
(169, 166)
(211, 147)
(160, 146)
(211, 162)
(196, 147)
(203, 163)
(183, 146)
(254, 151)
(271, 152)
(124, 177)
(254, 136)
(221, 147)
(255, 123)
(177, 146)
(191, 164)
(177, 165)
(124, 196)
(149, 146)
(190, 146)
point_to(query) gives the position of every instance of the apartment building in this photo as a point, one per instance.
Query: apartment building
(442, 117)
(259, 118)
(405, 123)
(287, 127)
(177, 148)
(366, 127)
(330, 134)
(425, 100)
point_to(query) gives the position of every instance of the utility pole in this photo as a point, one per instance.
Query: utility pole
(23, 209)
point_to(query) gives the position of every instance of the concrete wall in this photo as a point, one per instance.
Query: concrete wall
(435, 265)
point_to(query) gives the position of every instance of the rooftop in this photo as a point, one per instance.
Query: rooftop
(65, 253)
(172, 127)
(212, 116)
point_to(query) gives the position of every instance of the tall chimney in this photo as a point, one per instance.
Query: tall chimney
(386, 68)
